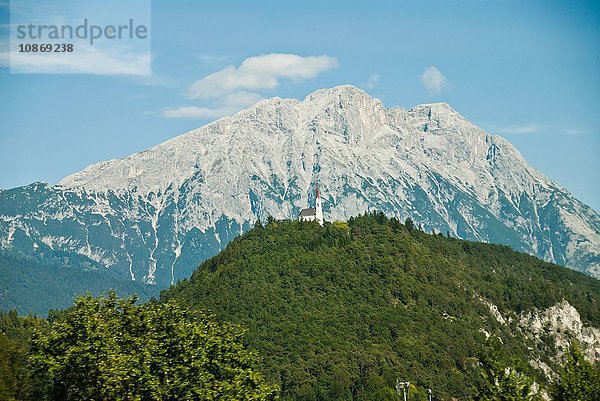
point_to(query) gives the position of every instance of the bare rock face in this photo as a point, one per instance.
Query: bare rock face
(562, 323)
(155, 215)
(552, 331)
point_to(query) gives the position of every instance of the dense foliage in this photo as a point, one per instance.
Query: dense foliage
(112, 349)
(579, 380)
(29, 285)
(504, 379)
(15, 334)
(342, 311)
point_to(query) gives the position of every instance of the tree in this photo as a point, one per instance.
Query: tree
(503, 382)
(15, 331)
(578, 380)
(108, 348)
(10, 358)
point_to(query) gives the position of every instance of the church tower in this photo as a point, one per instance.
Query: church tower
(313, 213)
(319, 207)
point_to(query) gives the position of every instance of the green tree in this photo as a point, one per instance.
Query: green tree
(579, 380)
(503, 382)
(108, 348)
(11, 356)
(15, 331)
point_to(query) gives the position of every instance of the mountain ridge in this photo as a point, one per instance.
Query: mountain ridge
(155, 214)
(323, 99)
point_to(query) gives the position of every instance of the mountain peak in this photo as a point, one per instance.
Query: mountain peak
(342, 90)
(343, 93)
(438, 108)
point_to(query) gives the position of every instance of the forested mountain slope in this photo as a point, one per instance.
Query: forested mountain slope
(343, 311)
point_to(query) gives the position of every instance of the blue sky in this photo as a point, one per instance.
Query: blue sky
(529, 71)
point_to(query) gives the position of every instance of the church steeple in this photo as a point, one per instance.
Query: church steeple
(318, 206)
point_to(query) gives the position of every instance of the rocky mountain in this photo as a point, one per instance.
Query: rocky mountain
(154, 215)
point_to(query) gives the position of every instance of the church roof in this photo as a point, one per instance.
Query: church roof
(308, 212)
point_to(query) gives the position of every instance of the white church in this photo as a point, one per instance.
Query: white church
(313, 213)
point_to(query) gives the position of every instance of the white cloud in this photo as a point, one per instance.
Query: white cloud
(576, 131)
(117, 60)
(260, 72)
(520, 129)
(536, 128)
(373, 81)
(234, 88)
(229, 105)
(103, 57)
(433, 80)
(195, 112)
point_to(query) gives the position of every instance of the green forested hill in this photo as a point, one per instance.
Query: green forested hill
(343, 311)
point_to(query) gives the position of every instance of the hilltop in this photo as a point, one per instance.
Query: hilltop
(343, 311)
